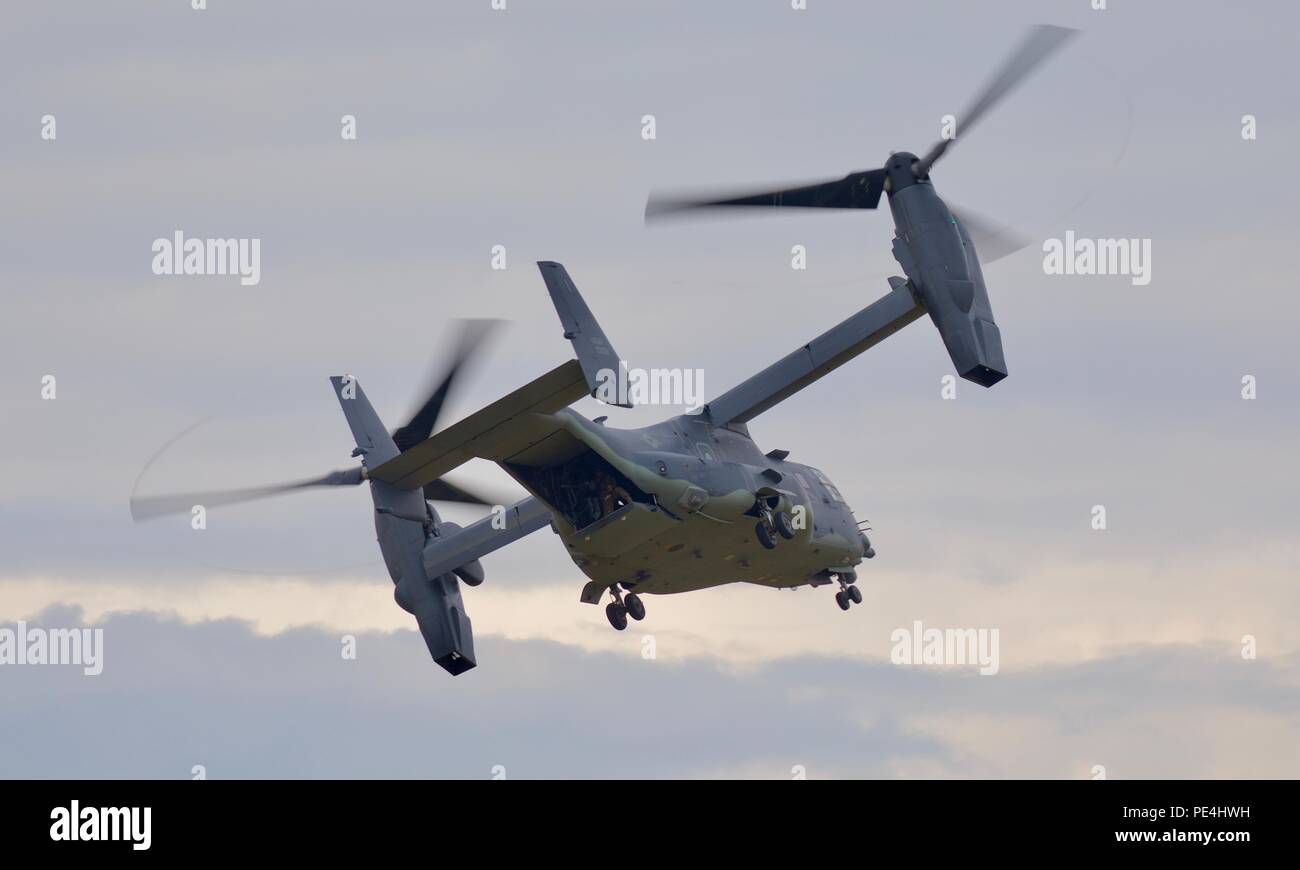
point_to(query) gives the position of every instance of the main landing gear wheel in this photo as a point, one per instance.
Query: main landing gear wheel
(634, 606)
(783, 526)
(848, 595)
(765, 535)
(617, 615)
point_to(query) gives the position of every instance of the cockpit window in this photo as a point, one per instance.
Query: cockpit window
(830, 487)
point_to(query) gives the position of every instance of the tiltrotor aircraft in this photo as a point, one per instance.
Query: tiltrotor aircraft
(685, 504)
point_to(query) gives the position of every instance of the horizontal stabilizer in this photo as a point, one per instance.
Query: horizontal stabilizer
(599, 360)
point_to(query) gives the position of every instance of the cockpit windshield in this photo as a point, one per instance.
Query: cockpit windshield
(830, 487)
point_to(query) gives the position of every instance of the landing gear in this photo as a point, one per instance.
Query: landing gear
(848, 594)
(634, 606)
(772, 523)
(623, 606)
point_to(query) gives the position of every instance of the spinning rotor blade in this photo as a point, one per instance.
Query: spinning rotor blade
(991, 242)
(152, 507)
(422, 424)
(442, 490)
(855, 190)
(157, 506)
(1038, 45)
(419, 428)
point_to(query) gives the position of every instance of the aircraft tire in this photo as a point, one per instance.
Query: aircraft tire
(634, 605)
(617, 615)
(764, 536)
(842, 600)
(855, 594)
(783, 526)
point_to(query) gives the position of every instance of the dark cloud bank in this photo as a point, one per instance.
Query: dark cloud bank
(174, 695)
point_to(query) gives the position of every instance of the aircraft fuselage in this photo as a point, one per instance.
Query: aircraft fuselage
(673, 507)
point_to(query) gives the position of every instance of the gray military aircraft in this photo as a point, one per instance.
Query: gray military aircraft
(685, 504)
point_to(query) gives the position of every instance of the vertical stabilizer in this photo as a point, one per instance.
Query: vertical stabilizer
(373, 441)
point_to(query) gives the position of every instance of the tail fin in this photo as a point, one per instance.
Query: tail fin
(373, 441)
(600, 362)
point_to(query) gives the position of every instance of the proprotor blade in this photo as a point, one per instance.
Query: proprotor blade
(855, 190)
(157, 506)
(1038, 45)
(422, 424)
(444, 490)
(992, 242)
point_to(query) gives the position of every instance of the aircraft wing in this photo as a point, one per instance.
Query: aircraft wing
(817, 358)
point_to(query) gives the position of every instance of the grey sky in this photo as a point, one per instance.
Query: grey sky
(522, 128)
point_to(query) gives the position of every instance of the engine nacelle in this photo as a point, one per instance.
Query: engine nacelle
(943, 269)
(471, 573)
(403, 600)
(440, 615)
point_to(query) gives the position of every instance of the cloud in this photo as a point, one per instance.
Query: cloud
(217, 694)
